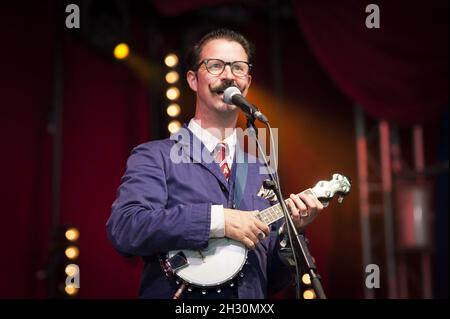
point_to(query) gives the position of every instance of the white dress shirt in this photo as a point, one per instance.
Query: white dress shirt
(211, 143)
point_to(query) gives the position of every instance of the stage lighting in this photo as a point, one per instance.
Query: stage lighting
(172, 93)
(72, 252)
(309, 294)
(172, 77)
(174, 126)
(71, 290)
(171, 60)
(306, 279)
(121, 51)
(173, 110)
(72, 234)
(72, 269)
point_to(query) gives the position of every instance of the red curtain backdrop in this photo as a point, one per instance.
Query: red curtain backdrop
(26, 91)
(177, 7)
(105, 114)
(398, 72)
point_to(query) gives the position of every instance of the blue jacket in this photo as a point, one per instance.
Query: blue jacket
(164, 204)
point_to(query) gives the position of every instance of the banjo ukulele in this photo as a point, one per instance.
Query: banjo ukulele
(224, 258)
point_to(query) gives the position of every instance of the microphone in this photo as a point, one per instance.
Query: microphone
(232, 95)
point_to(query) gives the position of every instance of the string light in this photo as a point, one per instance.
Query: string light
(174, 126)
(72, 252)
(306, 279)
(173, 110)
(309, 294)
(171, 60)
(172, 77)
(173, 93)
(72, 269)
(71, 290)
(72, 234)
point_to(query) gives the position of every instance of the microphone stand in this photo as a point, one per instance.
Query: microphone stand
(300, 249)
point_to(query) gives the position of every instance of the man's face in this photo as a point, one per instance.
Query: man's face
(210, 87)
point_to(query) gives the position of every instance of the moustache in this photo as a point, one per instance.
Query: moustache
(223, 86)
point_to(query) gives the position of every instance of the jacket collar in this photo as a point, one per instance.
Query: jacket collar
(194, 149)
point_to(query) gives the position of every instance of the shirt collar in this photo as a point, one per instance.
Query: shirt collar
(209, 140)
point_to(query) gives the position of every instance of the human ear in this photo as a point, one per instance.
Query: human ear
(191, 78)
(249, 81)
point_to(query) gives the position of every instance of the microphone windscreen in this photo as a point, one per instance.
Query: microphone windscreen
(228, 94)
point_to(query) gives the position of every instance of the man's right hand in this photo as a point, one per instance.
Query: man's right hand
(243, 226)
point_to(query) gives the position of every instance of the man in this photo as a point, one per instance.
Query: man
(165, 205)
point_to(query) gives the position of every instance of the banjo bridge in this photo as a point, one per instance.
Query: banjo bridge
(201, 255)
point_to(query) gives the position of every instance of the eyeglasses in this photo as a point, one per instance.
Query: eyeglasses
(216, 67)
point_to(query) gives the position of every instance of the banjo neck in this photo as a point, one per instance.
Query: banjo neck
(323, 191)
(275, 212)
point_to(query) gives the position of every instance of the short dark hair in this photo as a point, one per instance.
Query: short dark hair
(192, 59)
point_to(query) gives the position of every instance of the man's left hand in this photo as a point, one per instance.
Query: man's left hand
(304, 208)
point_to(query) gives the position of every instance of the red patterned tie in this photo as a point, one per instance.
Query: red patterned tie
(221, 160)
